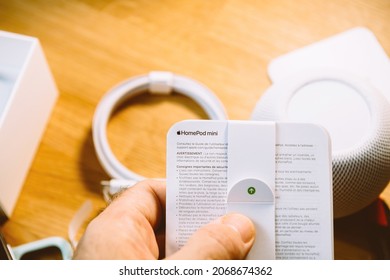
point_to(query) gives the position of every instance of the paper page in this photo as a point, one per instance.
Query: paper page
(197, 160)
(304, 212)
(196, 178)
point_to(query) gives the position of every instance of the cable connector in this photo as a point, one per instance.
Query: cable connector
(113, 186)
(160, 82)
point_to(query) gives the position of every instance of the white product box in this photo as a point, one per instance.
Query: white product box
(27, 96)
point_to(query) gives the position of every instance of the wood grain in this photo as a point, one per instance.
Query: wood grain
(93, 45)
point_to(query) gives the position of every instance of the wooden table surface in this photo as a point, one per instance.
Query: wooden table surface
(93, 45)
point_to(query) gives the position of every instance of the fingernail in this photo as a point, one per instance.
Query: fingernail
(241, 224)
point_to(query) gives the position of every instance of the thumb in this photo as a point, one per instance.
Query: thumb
(227, 238)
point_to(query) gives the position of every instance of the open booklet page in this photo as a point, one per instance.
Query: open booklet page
(197, 185)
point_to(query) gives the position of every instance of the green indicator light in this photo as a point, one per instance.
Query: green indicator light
(251, 190)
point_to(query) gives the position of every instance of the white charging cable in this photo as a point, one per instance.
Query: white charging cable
(156, 82)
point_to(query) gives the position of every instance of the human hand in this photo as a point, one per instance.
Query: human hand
(132, 227)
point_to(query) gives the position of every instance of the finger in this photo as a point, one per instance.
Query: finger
(146, 198)
(125, 229)
(229, 237)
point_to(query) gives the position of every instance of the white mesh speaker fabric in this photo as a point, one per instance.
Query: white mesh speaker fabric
(360, 172)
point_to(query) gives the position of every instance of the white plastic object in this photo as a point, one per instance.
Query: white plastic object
(27, 96)
(357, 118)
(251, 181)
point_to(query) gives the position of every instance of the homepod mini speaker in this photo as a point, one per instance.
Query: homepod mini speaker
(357, 118)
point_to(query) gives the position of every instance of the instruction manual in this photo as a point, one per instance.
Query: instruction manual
(277, 174)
